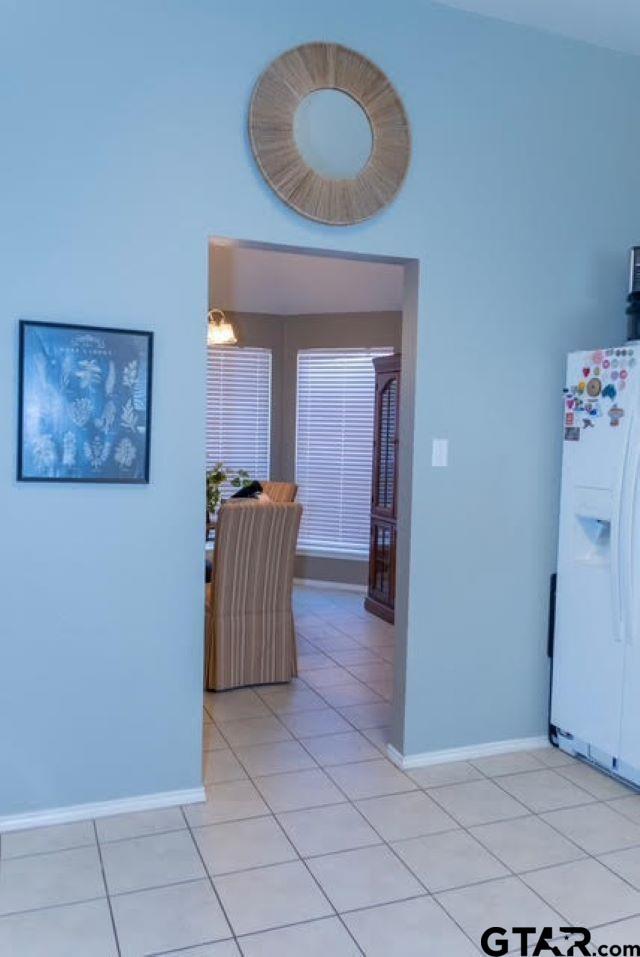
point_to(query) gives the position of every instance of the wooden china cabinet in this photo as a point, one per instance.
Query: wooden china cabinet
(381, 592)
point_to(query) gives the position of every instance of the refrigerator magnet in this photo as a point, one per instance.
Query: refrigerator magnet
(572, 434)
(615, 414)
(594, 387)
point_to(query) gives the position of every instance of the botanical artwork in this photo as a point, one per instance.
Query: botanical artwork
(84, 403)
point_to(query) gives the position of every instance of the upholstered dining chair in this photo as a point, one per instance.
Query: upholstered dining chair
(249, 632)
(280, 491)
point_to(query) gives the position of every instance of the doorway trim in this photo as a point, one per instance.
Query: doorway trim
(411, 279)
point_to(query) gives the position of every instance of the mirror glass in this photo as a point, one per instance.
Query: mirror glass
(333, 134)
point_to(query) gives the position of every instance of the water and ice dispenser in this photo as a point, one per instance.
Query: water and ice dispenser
(592, 527)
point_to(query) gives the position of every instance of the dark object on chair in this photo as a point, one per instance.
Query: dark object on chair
(208, 570)
(252, 490)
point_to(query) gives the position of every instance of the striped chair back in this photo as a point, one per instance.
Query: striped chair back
(250, 631)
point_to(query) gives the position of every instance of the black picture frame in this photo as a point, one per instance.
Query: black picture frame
(113, 454)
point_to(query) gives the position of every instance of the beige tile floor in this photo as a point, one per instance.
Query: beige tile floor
(312, 843)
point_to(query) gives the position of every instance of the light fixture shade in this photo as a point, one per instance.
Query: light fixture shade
(220, 331)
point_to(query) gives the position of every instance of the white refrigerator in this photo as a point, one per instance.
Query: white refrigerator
(595, 698)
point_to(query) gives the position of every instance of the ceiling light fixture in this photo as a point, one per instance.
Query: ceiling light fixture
(220, 331)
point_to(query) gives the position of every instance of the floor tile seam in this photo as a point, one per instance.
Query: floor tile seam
(609, 802)
(299, 923)
(586, 855)
(613, 923)
(314, 878)
(59, 850)
(257, 717)
(380, 700)
(210, 880)
(106, 890)
(380, 660)
(191, 947)
(580, 762)
(611, 870)
(406, 866)
(510, 774)
(324, 767)
(43, 907)
(538, 815)
(331, 904)
(530, 810)
(269, 774)
(512, 872)
(272, 714)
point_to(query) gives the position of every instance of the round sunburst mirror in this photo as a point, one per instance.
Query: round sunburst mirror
(329, 133)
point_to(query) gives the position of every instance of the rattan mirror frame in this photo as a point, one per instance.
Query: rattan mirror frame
(276, 97)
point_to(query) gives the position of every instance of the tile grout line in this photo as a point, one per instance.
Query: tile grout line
(384, 843)
(588, 854)
(210, 879)
(351, 802)
(106, 890)
(307, 868)
(299, 856)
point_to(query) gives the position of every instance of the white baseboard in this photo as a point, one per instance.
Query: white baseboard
(339, 586)
(83, 812)
(409, 761)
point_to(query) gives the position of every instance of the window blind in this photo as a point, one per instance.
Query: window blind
(334, 442)
(239, 409)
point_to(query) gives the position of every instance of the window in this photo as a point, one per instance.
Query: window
(334, 440)
(239, 409)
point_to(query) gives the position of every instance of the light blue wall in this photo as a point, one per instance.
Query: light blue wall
(123, 148)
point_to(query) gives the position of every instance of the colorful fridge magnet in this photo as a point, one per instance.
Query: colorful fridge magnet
(586, 372)
(597, 356)
(569, 418)
(623, 374)
(594, 387)
(587, 424)
(572, 434)
(606, 364)
(581, 387)
(609, 392)
(615, 414)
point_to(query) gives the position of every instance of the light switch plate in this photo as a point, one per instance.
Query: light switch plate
(440, 453)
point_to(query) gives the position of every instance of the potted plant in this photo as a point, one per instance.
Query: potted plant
(218, 476)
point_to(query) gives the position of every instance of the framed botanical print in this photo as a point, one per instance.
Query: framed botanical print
(84, 405)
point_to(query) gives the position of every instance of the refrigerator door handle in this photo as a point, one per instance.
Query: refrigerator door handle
(628, 581)
(622, 552)
(616, 583)
(621, 546)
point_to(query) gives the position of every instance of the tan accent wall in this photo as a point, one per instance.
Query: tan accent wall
(285, 335)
